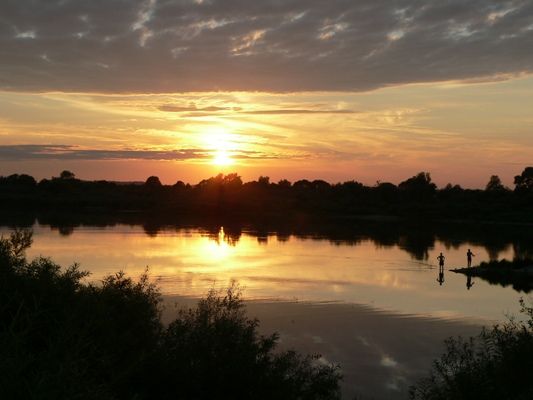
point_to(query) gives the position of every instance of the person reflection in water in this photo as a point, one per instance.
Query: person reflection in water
(469, 256)
(469, 282)
(440, 279)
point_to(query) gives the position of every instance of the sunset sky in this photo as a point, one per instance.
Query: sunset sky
(336, 90)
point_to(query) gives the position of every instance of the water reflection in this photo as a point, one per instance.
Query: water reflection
(384, 266)
(440, 279)
(416, 238)
(469, 282)
(360, 282)
(380, 353)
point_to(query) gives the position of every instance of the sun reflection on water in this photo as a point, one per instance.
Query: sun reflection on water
(217, 249)
(190, 262)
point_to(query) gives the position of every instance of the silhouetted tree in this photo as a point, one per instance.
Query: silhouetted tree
(353, 186)
(302, 184)
(495, 184)
(320, 185)
(284, 183)
(524, 181)
(23, 180)
(153, 182)
(419, 187)
(179, 185)
(452, 188)
(67, 175)
(232, 180)
(263, 180)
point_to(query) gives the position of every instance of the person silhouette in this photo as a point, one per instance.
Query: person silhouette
(440, 279)
(469, 282)
(469, 256)
(441, 260)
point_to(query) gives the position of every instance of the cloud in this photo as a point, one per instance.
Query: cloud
(193, 108)
(282, 111)
(142, 46)
(205, 111)
(66, 152)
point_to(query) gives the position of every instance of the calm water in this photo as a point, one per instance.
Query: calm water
(190, 261)
(376, 309)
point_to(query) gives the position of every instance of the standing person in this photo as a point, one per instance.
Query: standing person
(469, 256)
(441, 260)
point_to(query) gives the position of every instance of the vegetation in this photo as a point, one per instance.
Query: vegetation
(524, 181)
(224, 195)
(515, 265)
(61, 338)
(497, 364)
(517, 273)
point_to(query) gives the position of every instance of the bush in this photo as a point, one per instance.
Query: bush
(217, 352)
(497, 364)
(62, 338)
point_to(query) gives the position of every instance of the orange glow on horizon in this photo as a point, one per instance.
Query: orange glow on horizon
(388, 134)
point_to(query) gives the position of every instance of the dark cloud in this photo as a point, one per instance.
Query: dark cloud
(271, 45)
(65, 152)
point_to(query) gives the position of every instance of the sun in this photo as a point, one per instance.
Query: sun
(222, 158)
(221, 145)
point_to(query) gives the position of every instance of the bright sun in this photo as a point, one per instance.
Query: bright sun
(222, 157)
(220, 142)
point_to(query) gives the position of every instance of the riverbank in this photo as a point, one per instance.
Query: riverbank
(517, 273)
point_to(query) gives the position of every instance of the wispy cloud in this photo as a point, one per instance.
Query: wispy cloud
(205, 111)
(192, 108)
(282, 111)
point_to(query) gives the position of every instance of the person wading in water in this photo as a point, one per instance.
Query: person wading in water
(440, 279)
(469, 256)
(441, 260)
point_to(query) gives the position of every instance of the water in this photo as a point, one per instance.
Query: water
(373, 305)
(189, 262)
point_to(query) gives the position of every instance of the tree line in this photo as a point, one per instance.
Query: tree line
(229, 195)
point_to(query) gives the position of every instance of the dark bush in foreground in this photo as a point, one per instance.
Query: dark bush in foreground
(61, 338)
(497, 364)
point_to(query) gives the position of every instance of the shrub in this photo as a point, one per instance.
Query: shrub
(62, 338)
(497, 364)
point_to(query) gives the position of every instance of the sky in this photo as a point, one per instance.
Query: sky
(366, 90)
